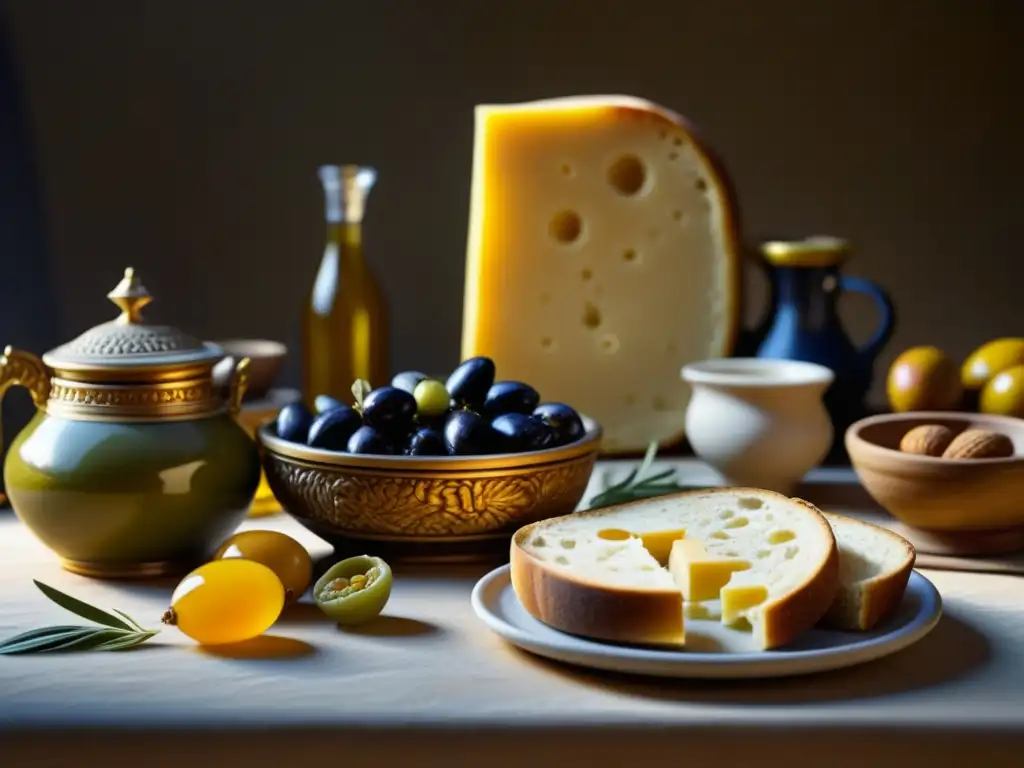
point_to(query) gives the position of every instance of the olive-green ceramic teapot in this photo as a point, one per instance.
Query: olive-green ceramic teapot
(134, 465)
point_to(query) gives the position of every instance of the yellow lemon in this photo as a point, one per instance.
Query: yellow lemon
(989, 359)
(1003, 394)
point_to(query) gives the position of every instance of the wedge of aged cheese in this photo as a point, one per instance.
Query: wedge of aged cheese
(602, 257)
(771, 560)
(874, 568)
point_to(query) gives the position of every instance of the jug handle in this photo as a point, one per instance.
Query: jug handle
(886, 313)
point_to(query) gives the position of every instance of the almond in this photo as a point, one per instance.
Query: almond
(927, 440)
(979, 444)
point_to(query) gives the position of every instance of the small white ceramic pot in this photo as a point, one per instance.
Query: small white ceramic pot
(760, 423)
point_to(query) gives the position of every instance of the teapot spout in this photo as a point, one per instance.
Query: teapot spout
(23, 369)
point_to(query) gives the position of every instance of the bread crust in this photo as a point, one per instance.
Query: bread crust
(860, 607)
(580, 607)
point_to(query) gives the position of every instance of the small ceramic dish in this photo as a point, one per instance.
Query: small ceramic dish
(432, 509)
(965, 506)
(758, 422)
(266, 358)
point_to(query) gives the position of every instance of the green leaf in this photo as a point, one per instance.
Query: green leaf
(64, 639)
(638, 484)
(648, 460)
(91, 641)
(360, 389)
(44, 639)
(40, 637)
(84, 610)
(130, 620)
(126, 642)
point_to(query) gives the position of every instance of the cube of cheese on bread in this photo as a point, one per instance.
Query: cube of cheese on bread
(602, 256)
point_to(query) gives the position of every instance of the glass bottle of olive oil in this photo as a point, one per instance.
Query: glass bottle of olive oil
(345, 323)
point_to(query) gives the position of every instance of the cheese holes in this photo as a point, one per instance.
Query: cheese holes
(780, 536)
(627, 175)
(701, 185)
(629, 255)
(609, 344)
(659, 404)
(673, 155)
(586, 274)
(751, 502)
(547, 344)
(614, 534)
(677, 141)
(591, 316)
(566, 226)
(566, 170)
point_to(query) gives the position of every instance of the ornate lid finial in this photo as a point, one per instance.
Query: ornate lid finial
(131, 296)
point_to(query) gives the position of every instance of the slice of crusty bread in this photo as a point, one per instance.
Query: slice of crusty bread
(601, 573)
(874, 567)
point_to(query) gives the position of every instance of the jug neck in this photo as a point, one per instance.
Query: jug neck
(812, 290)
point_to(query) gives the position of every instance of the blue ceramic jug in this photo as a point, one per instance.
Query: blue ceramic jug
(803, 322)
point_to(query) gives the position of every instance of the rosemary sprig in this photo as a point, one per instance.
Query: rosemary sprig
(112, 633)
(640, 483)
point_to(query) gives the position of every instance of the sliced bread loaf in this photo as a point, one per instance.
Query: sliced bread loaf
(618, 573)
(874, 567)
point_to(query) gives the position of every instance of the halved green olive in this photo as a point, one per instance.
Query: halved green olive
(354, 590)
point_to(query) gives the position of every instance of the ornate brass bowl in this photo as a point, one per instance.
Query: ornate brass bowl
(446, 508)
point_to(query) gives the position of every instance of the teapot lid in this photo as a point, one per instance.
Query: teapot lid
(816, 251)
(126, 343)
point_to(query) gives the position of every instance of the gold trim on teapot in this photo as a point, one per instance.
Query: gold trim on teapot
(127, 370)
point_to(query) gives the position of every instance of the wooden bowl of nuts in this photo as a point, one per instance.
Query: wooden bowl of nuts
(956, 480)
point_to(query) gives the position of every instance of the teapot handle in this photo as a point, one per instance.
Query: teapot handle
(24, 369)
(886, 313)
(239, 383)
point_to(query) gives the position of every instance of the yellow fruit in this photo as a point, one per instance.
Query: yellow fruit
(924, 379)
(280, 553)
(226, 601)
(989, 359)
(1004, 393)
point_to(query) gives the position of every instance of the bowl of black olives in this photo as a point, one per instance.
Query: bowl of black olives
(429, 468)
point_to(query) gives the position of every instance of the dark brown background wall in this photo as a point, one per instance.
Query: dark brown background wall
(182, 138)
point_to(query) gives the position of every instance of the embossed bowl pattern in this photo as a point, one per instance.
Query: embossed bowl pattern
(448, 508)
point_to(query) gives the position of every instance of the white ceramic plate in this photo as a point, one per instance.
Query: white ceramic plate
(495, 602)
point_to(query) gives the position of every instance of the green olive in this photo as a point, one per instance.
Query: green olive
(432, 399)
(354, 590)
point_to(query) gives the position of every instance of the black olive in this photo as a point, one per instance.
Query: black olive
(389, 410)
(293, 422)
(434, 421)
(510, 397)
(368, 440)
(468, 434)
(331, 430)
(408, 380)
(469, 383)
(519, 432)
(325, 403)
(563, 420)
(427, 442)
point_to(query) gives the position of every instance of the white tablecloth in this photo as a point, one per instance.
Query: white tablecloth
(429, 684)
